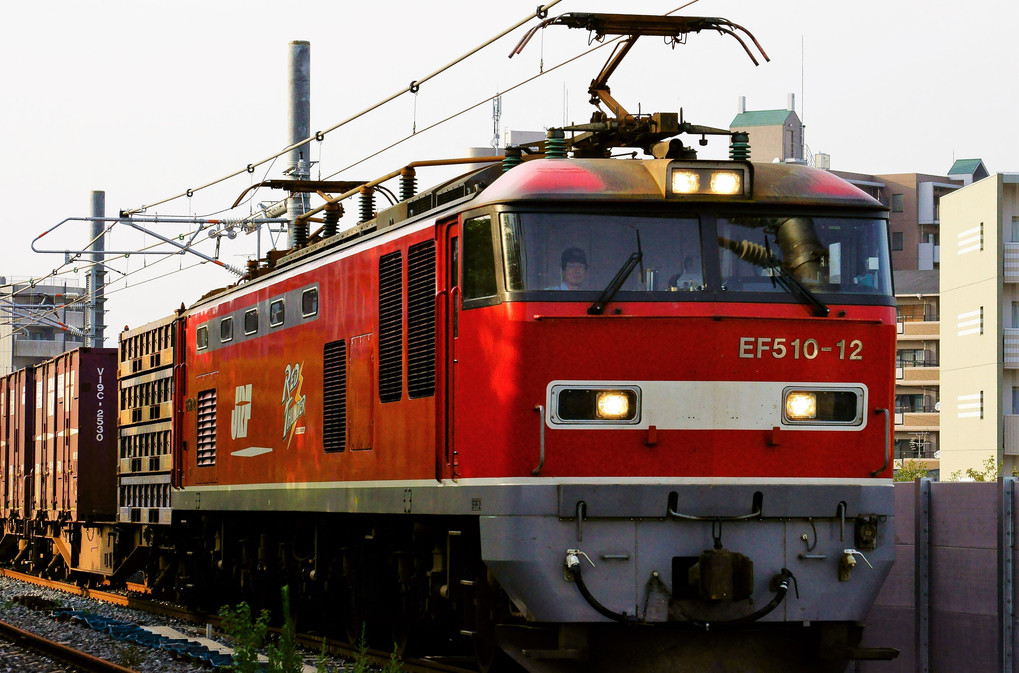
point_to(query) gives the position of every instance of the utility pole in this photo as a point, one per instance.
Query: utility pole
(299, 167)
(96, 284)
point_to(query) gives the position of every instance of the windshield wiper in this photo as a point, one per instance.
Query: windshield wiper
(624, 272)
(791, 284)
(598, 307)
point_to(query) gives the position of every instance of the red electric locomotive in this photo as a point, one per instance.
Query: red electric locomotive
(567, 410)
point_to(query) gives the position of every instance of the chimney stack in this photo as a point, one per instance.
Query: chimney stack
(791, 104)
(742, 104)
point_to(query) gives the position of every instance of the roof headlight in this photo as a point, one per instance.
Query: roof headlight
(726, 182)
(710, 179)
(686, 182)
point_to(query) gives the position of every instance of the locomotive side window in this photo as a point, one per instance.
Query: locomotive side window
(202, 337)
(309, 302)
(478, 259)
(251, 321)
(276, 313)
(226, 329)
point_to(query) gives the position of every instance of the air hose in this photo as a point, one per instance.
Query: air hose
(780, 581)
(574, 566)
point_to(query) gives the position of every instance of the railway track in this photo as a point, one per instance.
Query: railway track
(131, 599)
(81, 661)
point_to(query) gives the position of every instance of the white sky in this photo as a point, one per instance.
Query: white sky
(143, 100)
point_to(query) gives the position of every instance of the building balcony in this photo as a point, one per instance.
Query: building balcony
(1010, 338)
(919, 329)
(1011, 435)
(927, 255)
(917, 420)
(1010, 272)
(919, 376)
(39, 348)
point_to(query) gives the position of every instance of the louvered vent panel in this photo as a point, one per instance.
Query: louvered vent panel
(334, 397)
(391, 327)
(419, 205)
(421, 320)
(206, 428)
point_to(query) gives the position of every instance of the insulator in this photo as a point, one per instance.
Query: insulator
(513, 157)
(333, 213)
(739, 146)
(367, 203)
(555, 144)
(300, 233)
(408, 184)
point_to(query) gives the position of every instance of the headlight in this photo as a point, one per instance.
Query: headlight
(820, 406)
(686, 182)
(596, 404)
(726, 182)
(614, 404)
(800, 405)
(705, 178)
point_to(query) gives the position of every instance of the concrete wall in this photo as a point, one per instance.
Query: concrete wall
(948, 604)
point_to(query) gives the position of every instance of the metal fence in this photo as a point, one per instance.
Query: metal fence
(949, 603)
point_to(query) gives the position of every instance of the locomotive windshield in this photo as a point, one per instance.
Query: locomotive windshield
(557, 252)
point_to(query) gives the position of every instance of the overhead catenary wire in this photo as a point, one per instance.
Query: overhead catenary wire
(318, 136)
(414, 86)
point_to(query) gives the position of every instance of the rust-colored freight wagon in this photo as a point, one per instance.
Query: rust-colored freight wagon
(146, 422)
(75, 437)
(17, 392)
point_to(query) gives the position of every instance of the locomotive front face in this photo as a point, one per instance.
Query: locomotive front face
(696, 375)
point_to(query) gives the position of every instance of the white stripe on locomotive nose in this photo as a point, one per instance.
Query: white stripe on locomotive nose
(711, 405)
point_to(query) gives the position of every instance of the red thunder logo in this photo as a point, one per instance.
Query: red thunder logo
(293, 402)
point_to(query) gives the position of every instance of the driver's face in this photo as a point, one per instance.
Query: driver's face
(574, 274)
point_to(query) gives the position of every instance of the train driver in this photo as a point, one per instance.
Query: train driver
(573, 267)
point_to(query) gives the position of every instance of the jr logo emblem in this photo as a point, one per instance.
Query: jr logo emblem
(293, 401)
(242, 412)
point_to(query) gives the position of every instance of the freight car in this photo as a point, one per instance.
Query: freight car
(564, 411)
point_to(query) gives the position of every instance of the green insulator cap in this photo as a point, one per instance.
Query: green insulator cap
(555, 144)
(739, 146)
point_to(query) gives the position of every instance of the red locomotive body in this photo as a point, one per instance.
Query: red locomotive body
(435, 370)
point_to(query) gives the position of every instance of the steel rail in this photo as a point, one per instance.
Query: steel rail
(68, 655)
(378, 658)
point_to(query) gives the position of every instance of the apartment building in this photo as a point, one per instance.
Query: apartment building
(39, 321)
(980, 339)
(917, 371)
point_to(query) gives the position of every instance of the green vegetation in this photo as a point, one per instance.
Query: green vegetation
(361, 661)
(283, 655)
(131, 656)
(911, 470)
(248, 635)
(395, 664)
